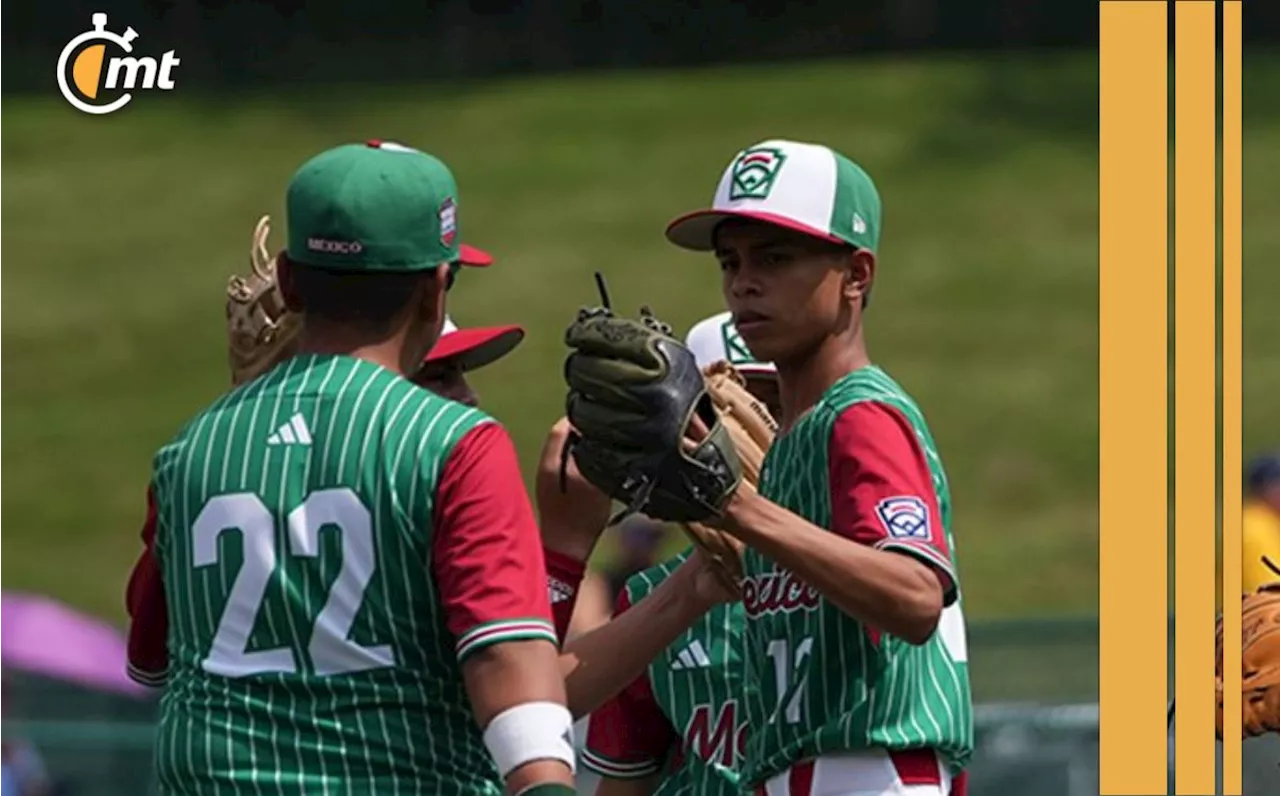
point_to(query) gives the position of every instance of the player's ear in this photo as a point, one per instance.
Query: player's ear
(433, 297)
(431, 300)
(288, 284)
(859, 274)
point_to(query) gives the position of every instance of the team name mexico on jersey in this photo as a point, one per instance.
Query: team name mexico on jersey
(777, 591)
(717, 734)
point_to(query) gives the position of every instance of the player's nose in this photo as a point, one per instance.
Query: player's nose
(744, 282)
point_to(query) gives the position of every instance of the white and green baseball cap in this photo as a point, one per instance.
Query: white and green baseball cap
(716, 339)
(809, 188)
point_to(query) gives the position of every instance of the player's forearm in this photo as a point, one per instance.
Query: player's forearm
(886, 590)
(627, 787)
(599, 664)
(507, 676)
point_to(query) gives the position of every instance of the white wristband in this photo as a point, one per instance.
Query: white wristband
(529, 732)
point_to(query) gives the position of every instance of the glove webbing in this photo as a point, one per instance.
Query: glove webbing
(573, 438)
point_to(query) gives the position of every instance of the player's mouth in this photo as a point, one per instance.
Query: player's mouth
(749, 319)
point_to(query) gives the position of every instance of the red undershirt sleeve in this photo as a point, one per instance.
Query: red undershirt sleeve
(148, 656)
(564, 577)
(629, 737)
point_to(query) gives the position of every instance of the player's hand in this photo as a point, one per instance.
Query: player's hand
(705, 584)
(571, 512)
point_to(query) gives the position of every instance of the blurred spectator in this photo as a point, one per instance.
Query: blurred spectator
(639, 543)
(1261, 522)
(22, 772)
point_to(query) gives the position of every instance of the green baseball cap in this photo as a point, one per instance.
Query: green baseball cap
(809, 188)
(376, 206)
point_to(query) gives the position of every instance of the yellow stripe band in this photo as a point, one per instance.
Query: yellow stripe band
(1132, 385)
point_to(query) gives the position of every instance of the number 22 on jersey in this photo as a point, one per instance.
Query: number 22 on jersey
(330, 650)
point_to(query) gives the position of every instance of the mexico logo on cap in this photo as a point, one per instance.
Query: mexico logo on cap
(754, 173)
(97, 84)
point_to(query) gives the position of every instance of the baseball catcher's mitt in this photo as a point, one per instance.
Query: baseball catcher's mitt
(633, 392)
(1260, 659)
(261, 331)
(752, 430)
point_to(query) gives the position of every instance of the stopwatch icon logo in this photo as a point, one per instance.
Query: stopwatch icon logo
(87, 76)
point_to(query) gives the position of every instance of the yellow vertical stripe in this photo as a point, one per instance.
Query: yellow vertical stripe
(1195, 391)
(1231, 392)
(1132, 382)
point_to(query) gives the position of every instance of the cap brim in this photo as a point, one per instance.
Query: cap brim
(696, 230)
(472, 257)
(475, 348)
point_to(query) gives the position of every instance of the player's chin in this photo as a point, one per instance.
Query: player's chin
(765, 337)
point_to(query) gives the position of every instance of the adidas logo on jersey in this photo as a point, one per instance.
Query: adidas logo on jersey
(691, 657)
(293, 432)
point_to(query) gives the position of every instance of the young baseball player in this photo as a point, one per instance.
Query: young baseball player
(854, 641)
(679, 727)
(261, 334)
(351, 567)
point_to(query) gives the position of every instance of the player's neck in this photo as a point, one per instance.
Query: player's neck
(328, 341)
(802, 382)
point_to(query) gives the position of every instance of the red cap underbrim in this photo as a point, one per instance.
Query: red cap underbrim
(477, 347)
(697, 230)
(473, 257)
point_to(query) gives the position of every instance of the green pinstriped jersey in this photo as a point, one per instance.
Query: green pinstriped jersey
(308, 649)
(824, 684)
(697, 683)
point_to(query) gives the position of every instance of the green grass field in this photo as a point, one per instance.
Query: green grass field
(122, 231)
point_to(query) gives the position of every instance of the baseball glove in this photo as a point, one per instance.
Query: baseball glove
(261, 331)
(752, 430)
(1260, 659)
(634, 390)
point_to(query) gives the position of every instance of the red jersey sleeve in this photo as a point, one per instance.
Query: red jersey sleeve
(148, 654)
(564, 576)
(486, 550)
(882, 491)
(629, 736)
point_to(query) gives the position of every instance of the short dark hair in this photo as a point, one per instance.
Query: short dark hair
(369, 301)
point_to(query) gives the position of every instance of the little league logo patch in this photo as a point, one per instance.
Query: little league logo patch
(755, 172)
(905, 517)
(448, 221)
(735, 350)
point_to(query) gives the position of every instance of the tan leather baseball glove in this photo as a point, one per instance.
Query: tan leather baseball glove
(1260, 659)
(261, 331)
(752, 430)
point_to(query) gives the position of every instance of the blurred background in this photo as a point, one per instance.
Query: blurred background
(577, 129)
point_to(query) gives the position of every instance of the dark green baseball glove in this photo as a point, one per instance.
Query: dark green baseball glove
(633, 391)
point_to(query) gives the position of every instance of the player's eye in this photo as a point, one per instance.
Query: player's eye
(776, 257)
